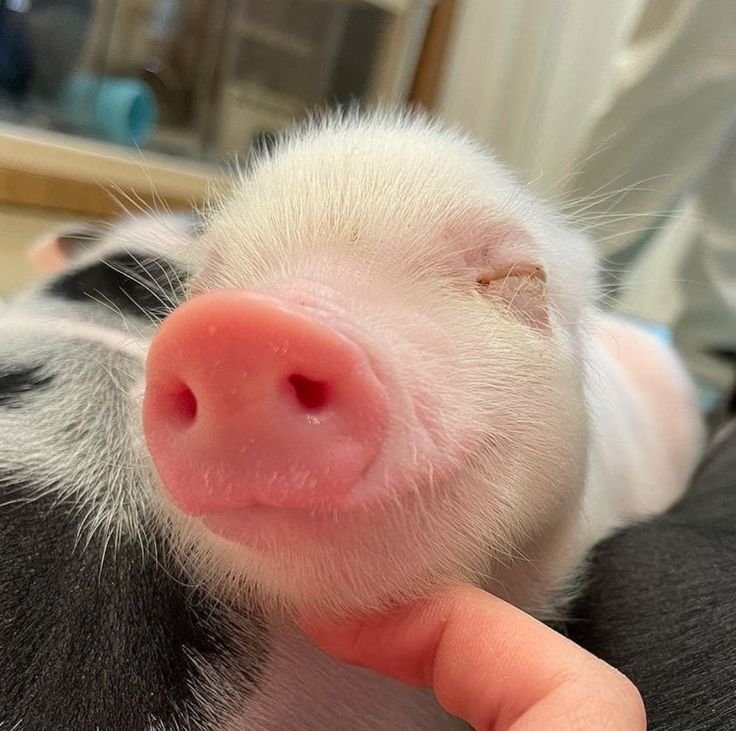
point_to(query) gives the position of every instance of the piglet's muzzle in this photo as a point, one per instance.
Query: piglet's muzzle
(252, 402)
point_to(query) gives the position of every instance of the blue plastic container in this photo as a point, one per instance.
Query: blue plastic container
(118, 110)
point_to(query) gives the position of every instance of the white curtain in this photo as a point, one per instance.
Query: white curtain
(530, 77)
(637, 96)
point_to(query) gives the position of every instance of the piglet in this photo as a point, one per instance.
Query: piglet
(375, 367)
(390, 373)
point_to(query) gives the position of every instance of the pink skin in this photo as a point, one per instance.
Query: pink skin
(251, 403)
(336, 484)
(268, 415)
(417, 339)
(46, 256)
(393, 481)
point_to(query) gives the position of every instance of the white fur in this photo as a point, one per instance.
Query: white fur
(387, 221)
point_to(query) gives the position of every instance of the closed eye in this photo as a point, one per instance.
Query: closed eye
(486, 278)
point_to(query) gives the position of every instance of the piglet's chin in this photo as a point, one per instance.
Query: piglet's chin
(268, 529)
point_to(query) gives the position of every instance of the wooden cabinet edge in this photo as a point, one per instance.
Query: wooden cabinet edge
(80, 198)
(428, 75)
(56, 172)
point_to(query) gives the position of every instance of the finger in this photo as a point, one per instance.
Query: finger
(490, 664)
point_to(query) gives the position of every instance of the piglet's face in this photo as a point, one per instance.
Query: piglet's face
(373, 386)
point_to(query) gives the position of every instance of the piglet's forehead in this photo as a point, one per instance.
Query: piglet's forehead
(391, 196)
(405, 169)
(410, 190)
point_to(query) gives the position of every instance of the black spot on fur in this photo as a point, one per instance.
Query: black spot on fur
(16, 384)
(87, 644)
(661, 603)
(141, 286)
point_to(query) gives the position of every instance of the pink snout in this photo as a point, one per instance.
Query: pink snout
(250, 402)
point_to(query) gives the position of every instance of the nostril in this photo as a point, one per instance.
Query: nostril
(312, 395)
(184, 405)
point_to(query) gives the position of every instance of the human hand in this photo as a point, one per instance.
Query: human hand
(490, 664)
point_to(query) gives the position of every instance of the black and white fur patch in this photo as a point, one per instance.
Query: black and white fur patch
(16, 383)
(105, 636)
(133, 285)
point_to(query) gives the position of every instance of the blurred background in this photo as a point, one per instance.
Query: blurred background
(623, 113)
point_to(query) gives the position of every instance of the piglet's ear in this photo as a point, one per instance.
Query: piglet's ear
(520, 289)
(56, 249)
